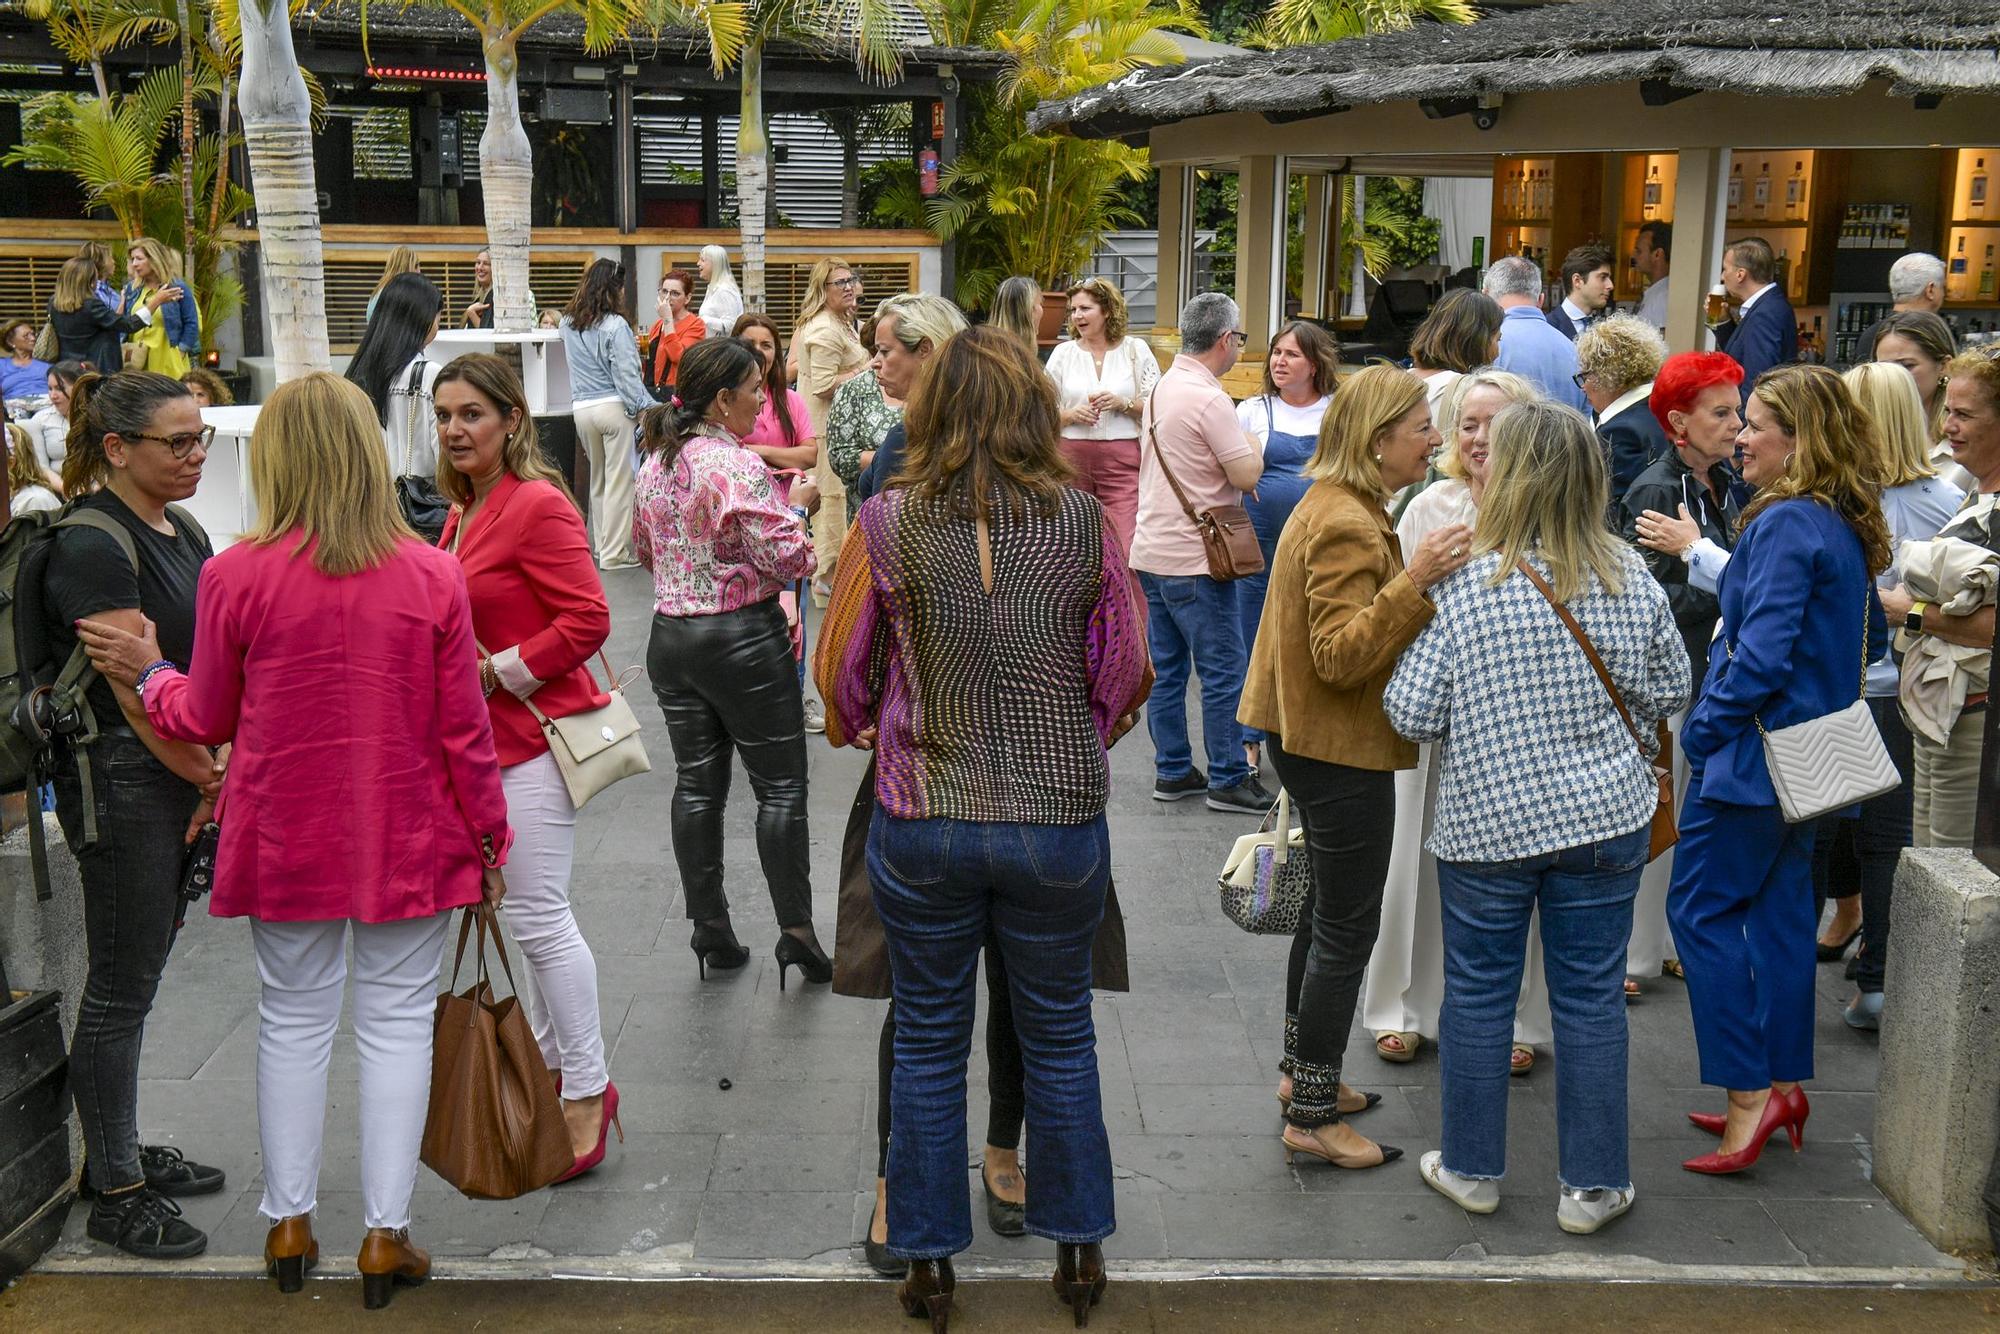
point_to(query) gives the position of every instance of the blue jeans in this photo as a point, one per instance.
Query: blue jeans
(938, 884)
(1194, 621)
(1585, 895)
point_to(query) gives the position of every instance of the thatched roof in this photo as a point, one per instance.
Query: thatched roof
(1823, 48)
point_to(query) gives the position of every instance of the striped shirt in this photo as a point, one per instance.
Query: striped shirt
(990, 706)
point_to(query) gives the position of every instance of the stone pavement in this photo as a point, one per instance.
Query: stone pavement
(774, 1174)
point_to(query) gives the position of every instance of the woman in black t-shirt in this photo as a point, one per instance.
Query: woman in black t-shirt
(136, 445)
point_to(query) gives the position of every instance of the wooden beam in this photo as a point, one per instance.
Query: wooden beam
(1260, 249)
(1313, 284)
(1174, 244)
(1701, 206)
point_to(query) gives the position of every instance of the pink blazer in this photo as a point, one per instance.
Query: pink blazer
(363, 781)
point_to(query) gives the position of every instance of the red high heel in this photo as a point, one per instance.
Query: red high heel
(1713, 1122)
(1779, 1111)
(604, 1128)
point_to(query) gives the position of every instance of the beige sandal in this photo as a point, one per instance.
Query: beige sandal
(1523, 1059)
(1407, 1052)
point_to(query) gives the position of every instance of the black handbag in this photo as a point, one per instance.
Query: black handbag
(424, 506)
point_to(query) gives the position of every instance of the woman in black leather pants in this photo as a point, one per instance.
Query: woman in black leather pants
(721, 546)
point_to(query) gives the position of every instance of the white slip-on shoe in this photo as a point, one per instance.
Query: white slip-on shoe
(1584, 1211)
(1468, 1193)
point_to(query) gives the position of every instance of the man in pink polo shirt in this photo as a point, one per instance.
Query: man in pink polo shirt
(1192, 620)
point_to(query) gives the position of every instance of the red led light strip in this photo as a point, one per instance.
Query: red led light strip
(434, 75)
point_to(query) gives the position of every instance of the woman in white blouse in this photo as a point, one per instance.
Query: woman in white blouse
(722, 302)
(1102, 377)
(1404, 989)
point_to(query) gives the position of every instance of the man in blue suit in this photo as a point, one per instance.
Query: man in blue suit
(1765, 333)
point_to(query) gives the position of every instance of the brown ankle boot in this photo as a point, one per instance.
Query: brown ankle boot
(388, 1259)
(290, 1249)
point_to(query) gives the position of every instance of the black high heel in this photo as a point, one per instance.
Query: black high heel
(927, 1292)
(1079, 1278)
(805, 955)
(717, 947)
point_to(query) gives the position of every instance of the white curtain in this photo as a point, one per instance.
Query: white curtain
(1463, 206)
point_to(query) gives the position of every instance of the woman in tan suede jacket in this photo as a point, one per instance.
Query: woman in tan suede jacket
(1340, 609)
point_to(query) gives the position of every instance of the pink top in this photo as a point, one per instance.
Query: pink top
(1198, 434)
(363, 782)
(769, 433)
(714, 534)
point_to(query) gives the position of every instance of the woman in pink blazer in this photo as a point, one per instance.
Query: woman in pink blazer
(363, 795)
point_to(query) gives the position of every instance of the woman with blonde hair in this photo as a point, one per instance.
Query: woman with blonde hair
(1800, 621)
(828, 355)
(1617, 358)
(366, 828)
(1342, 605)
(1017, 309)
(1404, 989)
(1103, 376)
(31, 488)
(162, 299)
(1545, 801)
(89, 330)
(1924, 345)
(403, 259)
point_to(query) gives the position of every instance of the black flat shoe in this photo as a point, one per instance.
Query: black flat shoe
(1006, 1218)
(717, 947)
(806, 956)
(880, 1258)
(1828, 953)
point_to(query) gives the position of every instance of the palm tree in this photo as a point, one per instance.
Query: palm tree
(1301, 22)
(277, 133)
(738, 33)
(506, 160)
(86, 31)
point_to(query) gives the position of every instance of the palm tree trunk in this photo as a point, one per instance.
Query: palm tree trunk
(277, 131)
(187, 141)
(103, 87)
(753, 176)
(506, 176)
(215, 44)
(850, 177)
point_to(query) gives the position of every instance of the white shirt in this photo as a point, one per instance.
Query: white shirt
(48, 431)
(1577, 314)
(721, 304)
(1437, 391)
(1130, 372)
(1625, 400)
(32, 498)
(1653, 304)
(1282, 416)
(1752, 300)
(411, 405)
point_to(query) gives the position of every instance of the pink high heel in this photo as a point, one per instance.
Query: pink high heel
(604, 1129)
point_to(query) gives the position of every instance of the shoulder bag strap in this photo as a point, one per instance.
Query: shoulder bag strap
(410, 421)
(1153, 434)
(1589, 651)
(543, 718)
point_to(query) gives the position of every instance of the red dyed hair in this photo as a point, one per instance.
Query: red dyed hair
(681, 276)
(1682, 378)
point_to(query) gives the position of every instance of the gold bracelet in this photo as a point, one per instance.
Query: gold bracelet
(489, 680)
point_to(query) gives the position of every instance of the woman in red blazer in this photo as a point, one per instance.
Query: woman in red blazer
(539, 614)
(362, 798)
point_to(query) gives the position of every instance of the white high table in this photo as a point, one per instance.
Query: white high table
(544, 363)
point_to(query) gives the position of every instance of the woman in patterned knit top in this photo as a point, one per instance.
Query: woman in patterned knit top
(984, 640)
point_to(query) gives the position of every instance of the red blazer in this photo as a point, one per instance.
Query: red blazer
(536, 591)
(362, 783)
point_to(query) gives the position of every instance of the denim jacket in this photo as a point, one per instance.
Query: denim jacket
(604, 363)
(182, 320)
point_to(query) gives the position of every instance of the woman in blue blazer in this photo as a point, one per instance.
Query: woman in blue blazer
(1798, 602)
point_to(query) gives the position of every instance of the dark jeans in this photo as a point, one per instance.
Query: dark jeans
(1349, 817)
(1006, 1101)
(939, 885)
(1860, 855)
(729, 683)
(131, 886)
(1193, 622)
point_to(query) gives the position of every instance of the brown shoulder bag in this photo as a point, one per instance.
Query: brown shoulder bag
(1666, 832)
(1227, 538)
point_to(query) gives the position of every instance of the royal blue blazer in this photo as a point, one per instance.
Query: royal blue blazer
(1795, 598)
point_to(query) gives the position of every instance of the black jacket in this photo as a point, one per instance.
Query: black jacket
(1664, 487)
(94, 333)
(1632, 440)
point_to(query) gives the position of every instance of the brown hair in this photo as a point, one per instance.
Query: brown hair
(982, 419)
(1583, 261)
(1369, 403)
(710, 366)
(1117, 319)
(600, 292)
(681, 276)
(211, 384)
(495, 381)
(7, 332)
(774, 378)
(1458, 333)
(1834, 458)
(123, 404)
(102, 262)
(1753, 255)
(1319, 349)
(76, 283)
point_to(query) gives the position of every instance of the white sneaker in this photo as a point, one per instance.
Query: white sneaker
(1585, 1211)
(1468, 1193)
(815, 716)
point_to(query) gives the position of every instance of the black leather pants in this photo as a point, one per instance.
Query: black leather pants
(729, 683)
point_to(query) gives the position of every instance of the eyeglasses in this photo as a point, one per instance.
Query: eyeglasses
(846, 282)
(181, 445)
(1579, 378)
(1242, 339)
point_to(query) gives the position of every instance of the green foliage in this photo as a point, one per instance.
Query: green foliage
(565, 174)
(1302, 22)
(1412, 236)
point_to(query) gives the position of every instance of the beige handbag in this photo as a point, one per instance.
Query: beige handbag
(597, 748)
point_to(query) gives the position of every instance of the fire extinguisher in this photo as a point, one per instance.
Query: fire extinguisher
(927, 172)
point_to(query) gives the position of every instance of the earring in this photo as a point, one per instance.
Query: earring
(1378, 458)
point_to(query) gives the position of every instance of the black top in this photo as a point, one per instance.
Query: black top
(94, 333)
(1633, 441)
(88, 575)
(1665, 486)
(888, 461)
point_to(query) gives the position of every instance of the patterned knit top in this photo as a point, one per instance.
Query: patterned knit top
(990, 706)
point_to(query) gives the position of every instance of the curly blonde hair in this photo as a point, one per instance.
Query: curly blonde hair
(1620, 353)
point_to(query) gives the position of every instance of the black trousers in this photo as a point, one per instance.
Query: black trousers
(1349, 817)
(1006, 1081)
(131, 886)
(728, 684)
(1860, 855)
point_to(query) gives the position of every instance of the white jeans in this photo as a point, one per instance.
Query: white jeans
(559, 984)
(604, 434)
(303, 966)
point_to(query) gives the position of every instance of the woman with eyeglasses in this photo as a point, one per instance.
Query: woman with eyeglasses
(136, 447)
(827, 355)
(677, 330)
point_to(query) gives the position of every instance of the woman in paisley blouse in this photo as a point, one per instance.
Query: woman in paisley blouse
(721, 547)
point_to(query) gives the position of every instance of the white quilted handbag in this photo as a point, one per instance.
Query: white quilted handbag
(1830, 762)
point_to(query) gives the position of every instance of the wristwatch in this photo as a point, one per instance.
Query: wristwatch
(1913, 620)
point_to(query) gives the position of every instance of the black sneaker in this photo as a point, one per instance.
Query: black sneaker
(1248, 797)
(145, 1223)
(1173, 789)
(172, 1175)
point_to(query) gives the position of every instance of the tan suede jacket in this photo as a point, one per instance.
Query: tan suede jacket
(1339, 611)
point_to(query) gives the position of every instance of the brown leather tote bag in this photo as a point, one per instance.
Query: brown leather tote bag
(1227, 538)
(495, 1129)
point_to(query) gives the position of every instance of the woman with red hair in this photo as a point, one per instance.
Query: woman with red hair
(677, 330)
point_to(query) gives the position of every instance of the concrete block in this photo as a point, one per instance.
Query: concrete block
(1937, 1110)
(43, 943)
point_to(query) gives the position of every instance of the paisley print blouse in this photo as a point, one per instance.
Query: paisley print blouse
(713, 532)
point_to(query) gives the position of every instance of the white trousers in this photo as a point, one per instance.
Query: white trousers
(559, 984)
(303, 967)
(604, 434)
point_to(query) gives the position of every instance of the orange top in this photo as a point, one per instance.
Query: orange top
(669, 348)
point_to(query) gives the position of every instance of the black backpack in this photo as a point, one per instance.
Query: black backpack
(45, 703)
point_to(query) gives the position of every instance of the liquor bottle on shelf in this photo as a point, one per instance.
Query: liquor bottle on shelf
(1736, 189)
(1651, 207)
(1479, 255)
(1760, 192)
(1975, 197)
(1784, 277)
(1986, 276)
(1955, 283)
(1795, 190)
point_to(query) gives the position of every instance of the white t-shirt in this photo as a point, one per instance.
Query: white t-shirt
(48, 431)
(32, 498)
(1281, 417)
(1130, 372)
